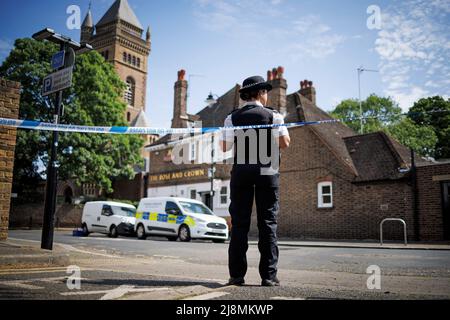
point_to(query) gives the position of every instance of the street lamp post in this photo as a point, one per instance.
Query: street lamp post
(65, 44)
(360, 71)
(211, 101)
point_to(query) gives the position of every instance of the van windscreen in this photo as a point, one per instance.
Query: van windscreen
(123, 211)
(191, 207)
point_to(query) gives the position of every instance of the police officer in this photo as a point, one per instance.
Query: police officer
(253, 179)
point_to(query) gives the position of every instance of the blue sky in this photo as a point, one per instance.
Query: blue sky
(221, 42)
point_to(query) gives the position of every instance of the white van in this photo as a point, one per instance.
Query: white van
(179, 218)
(111, 218)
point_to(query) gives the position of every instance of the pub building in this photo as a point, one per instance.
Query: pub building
(335, 183)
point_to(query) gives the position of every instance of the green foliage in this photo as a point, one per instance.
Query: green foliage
(377, 111)
(94, 99)
(383, 114)
(434, 112)
(422, 139)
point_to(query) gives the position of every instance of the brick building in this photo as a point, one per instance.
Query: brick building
(335, 184)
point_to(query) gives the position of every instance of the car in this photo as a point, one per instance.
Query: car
(179, 218)
(111, 218)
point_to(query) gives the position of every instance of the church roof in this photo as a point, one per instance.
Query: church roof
(141, 120)
(88, 20)
(120, 10)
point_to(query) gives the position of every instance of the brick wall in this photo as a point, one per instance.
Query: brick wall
(358, 208)
(9, 108)
(429, 181)
(31, 215)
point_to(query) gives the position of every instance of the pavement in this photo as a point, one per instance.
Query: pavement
(157, 269)
(364, 244)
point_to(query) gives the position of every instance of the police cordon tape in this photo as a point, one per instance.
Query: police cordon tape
(44, 126)
(37, 125)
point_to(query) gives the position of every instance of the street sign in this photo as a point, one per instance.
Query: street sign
(69, 58)
(58, 60)
(57, 81)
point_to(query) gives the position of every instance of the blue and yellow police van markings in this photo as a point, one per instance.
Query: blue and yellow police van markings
(163, 217)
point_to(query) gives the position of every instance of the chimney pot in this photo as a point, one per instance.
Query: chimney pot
(307, 90)
(181, 75)
(280, 72)
(269, 76)
(275, 73)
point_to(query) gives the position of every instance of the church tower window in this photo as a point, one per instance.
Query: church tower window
(130, 91)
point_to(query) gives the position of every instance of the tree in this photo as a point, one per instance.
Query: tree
(94, 99)
(422, 139)
(378, 112)
(383, 114)
(434, 112)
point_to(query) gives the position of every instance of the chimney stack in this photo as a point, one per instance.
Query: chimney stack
(308, 91)
(180, 117)
(277, 97)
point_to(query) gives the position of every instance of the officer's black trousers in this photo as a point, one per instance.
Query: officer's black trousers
(267, 206)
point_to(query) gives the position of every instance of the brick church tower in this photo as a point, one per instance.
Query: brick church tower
(118, 38)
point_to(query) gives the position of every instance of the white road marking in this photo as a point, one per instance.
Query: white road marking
(286, 298)
(21, 285)
(114, 293)
(72, 248)
(32, 270)
(206, 280)
(25, 284)
(208, 296)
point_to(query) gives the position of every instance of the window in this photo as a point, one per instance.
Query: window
(134, 61)
(193, 151)
(191, 207)
(123, 211)
(129, 58)
(128, 116)
(325, 194)
(130, 91)
(106, 55)
(224, 195)
(138, 62)
(107, 211)
(193, 194)
(172, 206)
(124, 58)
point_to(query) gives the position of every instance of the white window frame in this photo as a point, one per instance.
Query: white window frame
(320, 194)
(223, 195)
(193, 150)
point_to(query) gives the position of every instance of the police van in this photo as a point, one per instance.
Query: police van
(111, 218)
(179, 218)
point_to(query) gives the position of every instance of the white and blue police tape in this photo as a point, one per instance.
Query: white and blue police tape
(37, 125)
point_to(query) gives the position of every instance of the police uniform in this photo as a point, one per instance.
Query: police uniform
(248, 185)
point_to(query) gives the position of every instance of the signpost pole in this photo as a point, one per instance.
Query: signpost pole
(52, 177)
(56, 82)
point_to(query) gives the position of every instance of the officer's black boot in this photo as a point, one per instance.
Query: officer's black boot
(236, 282)
(270, 283)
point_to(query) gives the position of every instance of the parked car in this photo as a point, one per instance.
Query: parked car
(111, 218)
(179, 218)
